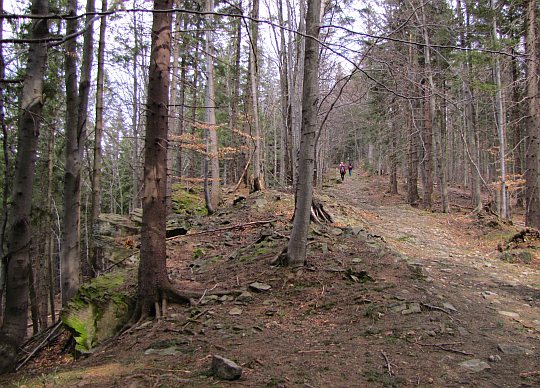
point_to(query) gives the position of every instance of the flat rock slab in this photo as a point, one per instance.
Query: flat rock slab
(449, 307)
(475, 365)
(245, 296)
(235, 311)
(514, 350)
(509, 314)
(413, 308)
(172, 351)
(259, 287)
(225, 369)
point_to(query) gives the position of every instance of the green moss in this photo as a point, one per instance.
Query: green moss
(100, 308)
(198, 253)
(187, 202)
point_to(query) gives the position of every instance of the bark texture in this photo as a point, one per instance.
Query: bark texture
(152, 271)
(76, 117)
(15, 322)
(296, 249)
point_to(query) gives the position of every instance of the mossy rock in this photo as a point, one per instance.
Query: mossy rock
(517, 256)
(187, 202)
(100, 308)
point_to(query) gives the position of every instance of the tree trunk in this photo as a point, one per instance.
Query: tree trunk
(135, 195)
(412, 165)
(15, 321)
(429, 109)
(181, 99)
(442, 158)
(152, 267)
(5, 177)
(49, 236)
(96, 254)
(500, 119)
(393, 187)
(296, 249)
(211, 112)
(532, 195)
(285, 127)
(258, 180)
(76, 117)
(234, 101)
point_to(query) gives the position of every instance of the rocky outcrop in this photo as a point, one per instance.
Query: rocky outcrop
(100, 308)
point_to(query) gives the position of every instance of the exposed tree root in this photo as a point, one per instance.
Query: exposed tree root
(319, 214)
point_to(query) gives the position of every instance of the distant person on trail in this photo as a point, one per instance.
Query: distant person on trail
(342, 170)
(350, 168)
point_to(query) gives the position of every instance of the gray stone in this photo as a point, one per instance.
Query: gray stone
(235, 311)
(172, 351)
(509, 314)
(357, 260)
(512, 349)
(324, 248)
(245, 296)
(225, 369)
(261, 203)
(259, 287)
(449, 307)
(412, 309)
(494, 358)
(399, 308)
(475, 365)
(336, 232)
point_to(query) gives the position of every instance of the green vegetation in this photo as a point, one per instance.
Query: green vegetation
(99, 309)
(187, 202)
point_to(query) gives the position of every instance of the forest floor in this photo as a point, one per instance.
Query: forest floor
(392, 296)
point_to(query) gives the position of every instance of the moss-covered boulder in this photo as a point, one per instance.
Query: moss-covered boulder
(187, 202)
(100, 309)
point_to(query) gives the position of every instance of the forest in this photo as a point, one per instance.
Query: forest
(156, 117)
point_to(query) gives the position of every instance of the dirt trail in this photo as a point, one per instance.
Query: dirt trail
(453, 252)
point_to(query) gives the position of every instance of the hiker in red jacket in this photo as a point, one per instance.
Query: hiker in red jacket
(350, 169)
(342, 170)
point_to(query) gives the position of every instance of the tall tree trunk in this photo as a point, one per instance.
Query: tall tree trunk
(49, 236)
(442, 157)
(296, 249)
(5, 177)
(96, 254)
(285, 127)
(195, 88)
(173, 97)
(15, 322)
(234, 101)
(152, 268)
(181, 98)
(500, 118)
(429, 110)
(135, 181)
(211, 113)
(412, 165)
(532, 171)
(393, 188)
(77, 113)
(517, 132)
(258, 179)
(296, 89)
